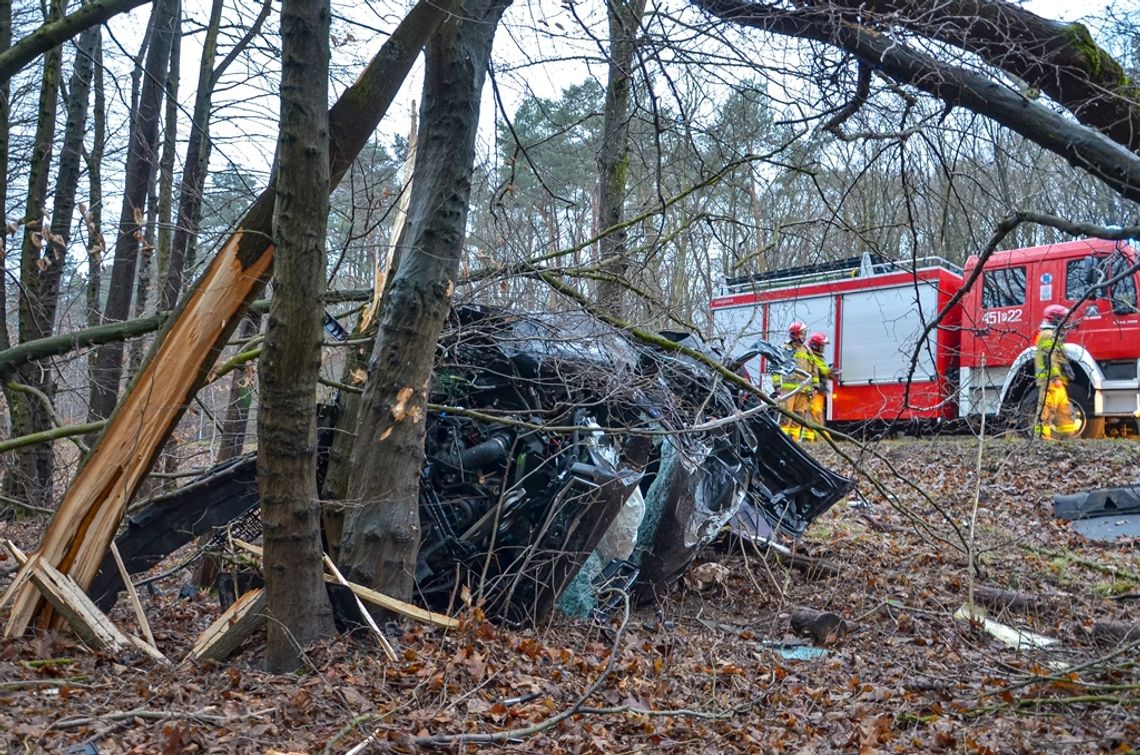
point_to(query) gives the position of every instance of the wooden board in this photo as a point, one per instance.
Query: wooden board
(231, 629)
(378, 599)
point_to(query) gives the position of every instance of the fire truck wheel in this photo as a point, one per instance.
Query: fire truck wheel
(1080, 403)
(1091, 426)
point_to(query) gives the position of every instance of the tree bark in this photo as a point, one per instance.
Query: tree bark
(165, 204)
(93, 506)
(42, 292)
(57, 31)
(381, 528)
(613, 157)
(41, 261)
(142, 152)
(297, 603)
(93, 216)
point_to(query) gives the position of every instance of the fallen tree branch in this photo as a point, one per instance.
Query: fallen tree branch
(200, 716)
(56, 433)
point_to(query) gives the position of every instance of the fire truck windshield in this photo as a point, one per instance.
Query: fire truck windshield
(1085, 279)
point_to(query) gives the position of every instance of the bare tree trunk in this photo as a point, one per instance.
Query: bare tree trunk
(241, 398)
(613, 157)
(93, 217)
(8, 464)
(298, 606)
(41, 262)
(156, 237)
(164, 207)
(198, 155)
(141, 158)
(382, 533)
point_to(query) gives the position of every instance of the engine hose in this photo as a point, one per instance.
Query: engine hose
(478, 456)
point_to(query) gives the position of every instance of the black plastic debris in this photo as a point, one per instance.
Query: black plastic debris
(1097, 502)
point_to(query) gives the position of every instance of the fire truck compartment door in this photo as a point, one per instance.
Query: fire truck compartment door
(879, 331)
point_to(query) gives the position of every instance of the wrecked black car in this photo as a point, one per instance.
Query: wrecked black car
(594, 459)
(565, 458)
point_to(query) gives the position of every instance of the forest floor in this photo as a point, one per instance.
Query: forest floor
(697, 674)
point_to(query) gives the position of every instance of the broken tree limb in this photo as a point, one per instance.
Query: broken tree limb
(1117, 630)
(825, 627)
(89, 623)
(136, 604)
(998, 599)
(377, 599)
(93, 506)
(231, 629)
(24, 573)
(387, 646)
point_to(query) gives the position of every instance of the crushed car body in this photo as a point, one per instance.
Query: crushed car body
(565, 459)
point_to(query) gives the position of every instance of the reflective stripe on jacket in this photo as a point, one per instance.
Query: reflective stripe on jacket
(1050, 345)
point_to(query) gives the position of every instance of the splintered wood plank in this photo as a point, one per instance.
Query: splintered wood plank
(443, 621)
(89, 623)
(231, 629)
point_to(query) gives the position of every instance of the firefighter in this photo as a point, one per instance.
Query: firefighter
(1052, 370)
(795, 390)
(823, 372)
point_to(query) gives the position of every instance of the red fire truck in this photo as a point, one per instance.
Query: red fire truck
(898, 360)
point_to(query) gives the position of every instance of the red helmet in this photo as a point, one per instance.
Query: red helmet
(797, 330)
(1055, 313)
(817, 341)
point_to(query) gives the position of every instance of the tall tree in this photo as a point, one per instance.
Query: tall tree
(142, 155)
(298, 606)
(381, 529)
(5, 114)
(193, 183)
(40, 263)
(613, 158)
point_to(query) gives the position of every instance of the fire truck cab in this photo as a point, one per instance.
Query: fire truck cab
(1097, 280)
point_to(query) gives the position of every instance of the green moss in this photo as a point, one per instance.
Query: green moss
(1114, 587)
(1101, 64)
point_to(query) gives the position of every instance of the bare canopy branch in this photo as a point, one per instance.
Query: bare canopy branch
(1082, 147)
(59, 31)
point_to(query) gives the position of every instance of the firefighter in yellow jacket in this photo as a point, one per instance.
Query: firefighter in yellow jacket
(1053, 409)
(823, 372)
(795, 390)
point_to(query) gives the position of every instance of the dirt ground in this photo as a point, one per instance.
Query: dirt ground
(703, 672)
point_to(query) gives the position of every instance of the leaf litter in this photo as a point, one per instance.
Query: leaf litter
(703, 671)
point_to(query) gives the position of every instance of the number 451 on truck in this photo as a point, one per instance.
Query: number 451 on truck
(908, 348)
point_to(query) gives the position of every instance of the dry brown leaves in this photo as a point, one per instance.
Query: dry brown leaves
(694, 676)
